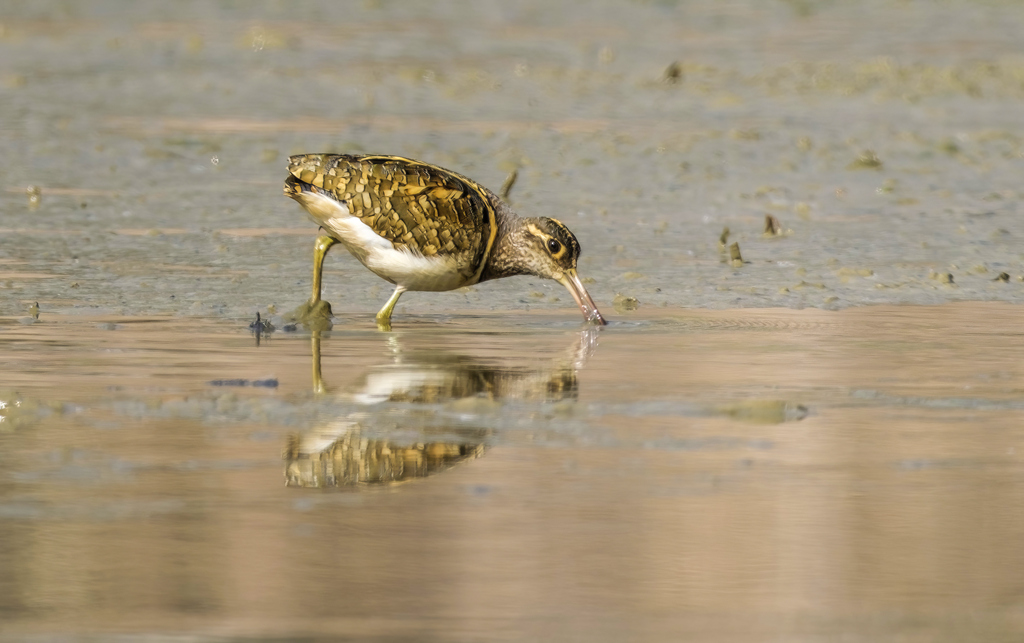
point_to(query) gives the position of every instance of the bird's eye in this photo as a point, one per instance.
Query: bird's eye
(554, 246)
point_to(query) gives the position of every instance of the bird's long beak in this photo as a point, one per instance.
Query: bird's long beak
(572, 282)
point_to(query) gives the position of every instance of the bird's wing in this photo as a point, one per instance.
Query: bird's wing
(418, 207)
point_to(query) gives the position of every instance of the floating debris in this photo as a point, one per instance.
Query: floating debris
(261, 328)
(34, 310)
(35, 195)
(887, 187)
(17, 413)
(809, 284)
(867, 160)
(735, 258)
(673, 74)
(506, 187)
(744, 135)
(855, 272)
(1003, 276)
(268, 383)
(724, 238)
(772, 226)
(624, 304)
(765, 411)
(941, 277)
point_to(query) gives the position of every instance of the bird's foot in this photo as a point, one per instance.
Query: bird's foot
(314, 315)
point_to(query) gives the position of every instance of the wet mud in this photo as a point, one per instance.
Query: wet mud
(145, 152)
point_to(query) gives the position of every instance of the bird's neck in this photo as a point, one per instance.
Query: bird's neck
(504, 260)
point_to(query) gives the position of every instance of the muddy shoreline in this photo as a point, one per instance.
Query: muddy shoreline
(157, 149)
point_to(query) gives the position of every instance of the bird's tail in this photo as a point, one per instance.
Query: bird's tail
(294, 188)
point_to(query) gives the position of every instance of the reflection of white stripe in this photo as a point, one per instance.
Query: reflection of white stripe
(401, 267)
(381, 386)
(319, 440)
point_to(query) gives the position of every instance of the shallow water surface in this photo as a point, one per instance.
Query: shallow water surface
(731, 475)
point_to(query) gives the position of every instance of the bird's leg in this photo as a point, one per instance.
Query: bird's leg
(384, 316)
(316, 313)
(323, 244)
(318, 382)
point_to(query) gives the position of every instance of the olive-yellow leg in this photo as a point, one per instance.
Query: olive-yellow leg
(384, 316)
(318, 382)
(316, 313)
(323, 244)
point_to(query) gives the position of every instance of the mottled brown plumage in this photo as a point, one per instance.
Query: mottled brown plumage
(411, 204)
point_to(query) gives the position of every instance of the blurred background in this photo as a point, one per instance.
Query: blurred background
(884, 136)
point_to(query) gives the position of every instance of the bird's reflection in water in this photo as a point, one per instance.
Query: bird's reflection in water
(341, 453)
(352, 459)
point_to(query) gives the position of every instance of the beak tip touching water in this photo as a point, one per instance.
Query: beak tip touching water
(572, 283)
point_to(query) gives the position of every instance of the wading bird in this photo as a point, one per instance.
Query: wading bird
(422, 227)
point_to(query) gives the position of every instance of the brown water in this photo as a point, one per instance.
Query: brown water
(715, 476)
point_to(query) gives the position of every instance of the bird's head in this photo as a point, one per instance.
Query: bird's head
(551, 251)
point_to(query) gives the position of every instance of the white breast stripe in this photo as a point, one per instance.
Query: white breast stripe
(334, 216)
(414, 271)
(481, 192)
(402, 267)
